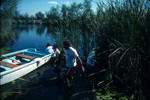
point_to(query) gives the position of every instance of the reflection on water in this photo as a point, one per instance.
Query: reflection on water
(40, 30)
(32, 36)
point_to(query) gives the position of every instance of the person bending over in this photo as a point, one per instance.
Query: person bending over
(71, 56)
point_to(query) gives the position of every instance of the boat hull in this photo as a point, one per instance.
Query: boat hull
(17, 72)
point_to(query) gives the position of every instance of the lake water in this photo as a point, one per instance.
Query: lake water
(32, 36)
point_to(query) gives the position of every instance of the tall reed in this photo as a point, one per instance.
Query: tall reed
(125, 24)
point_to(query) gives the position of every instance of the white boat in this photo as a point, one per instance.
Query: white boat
(17, 64)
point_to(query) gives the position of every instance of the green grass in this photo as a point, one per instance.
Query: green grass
(4, 50)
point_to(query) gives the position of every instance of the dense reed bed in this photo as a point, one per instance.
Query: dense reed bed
(122, 32)
(125, 33)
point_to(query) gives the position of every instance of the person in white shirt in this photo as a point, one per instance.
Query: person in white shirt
(71, 56)
(49, 49)
(55, 55)
(56, 51)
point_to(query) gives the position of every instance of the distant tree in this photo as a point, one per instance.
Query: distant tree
(26, 15)
(39, 15)
(31, 17)
(16, 15)
(53, 17)
(22, 17)
(53, 13)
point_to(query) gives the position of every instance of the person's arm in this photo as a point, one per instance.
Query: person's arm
(57, 50)
(94, 61)
(81, 64)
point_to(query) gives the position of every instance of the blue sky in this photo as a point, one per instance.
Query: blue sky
(33, 6)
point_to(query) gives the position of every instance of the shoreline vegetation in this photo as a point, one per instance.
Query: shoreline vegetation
(122, 68)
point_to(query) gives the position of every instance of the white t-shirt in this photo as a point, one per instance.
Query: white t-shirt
(71, 56)
(50, 50)
(57, 52)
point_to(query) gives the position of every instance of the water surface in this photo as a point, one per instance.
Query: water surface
(31, 36)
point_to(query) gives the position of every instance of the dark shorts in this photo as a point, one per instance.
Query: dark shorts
(70, 73)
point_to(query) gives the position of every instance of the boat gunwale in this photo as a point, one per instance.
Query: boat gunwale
(37, 53)
(16, 68)
(20, 67)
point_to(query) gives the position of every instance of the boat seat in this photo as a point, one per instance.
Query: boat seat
(21, 53)
(25, 56)
(8, 64)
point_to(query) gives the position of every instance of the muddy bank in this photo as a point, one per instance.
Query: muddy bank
(50, 87)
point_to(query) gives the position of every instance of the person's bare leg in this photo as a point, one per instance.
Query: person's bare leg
(67, 81)
(72, 77)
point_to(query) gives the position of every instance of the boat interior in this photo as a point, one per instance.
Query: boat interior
(15, 60)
